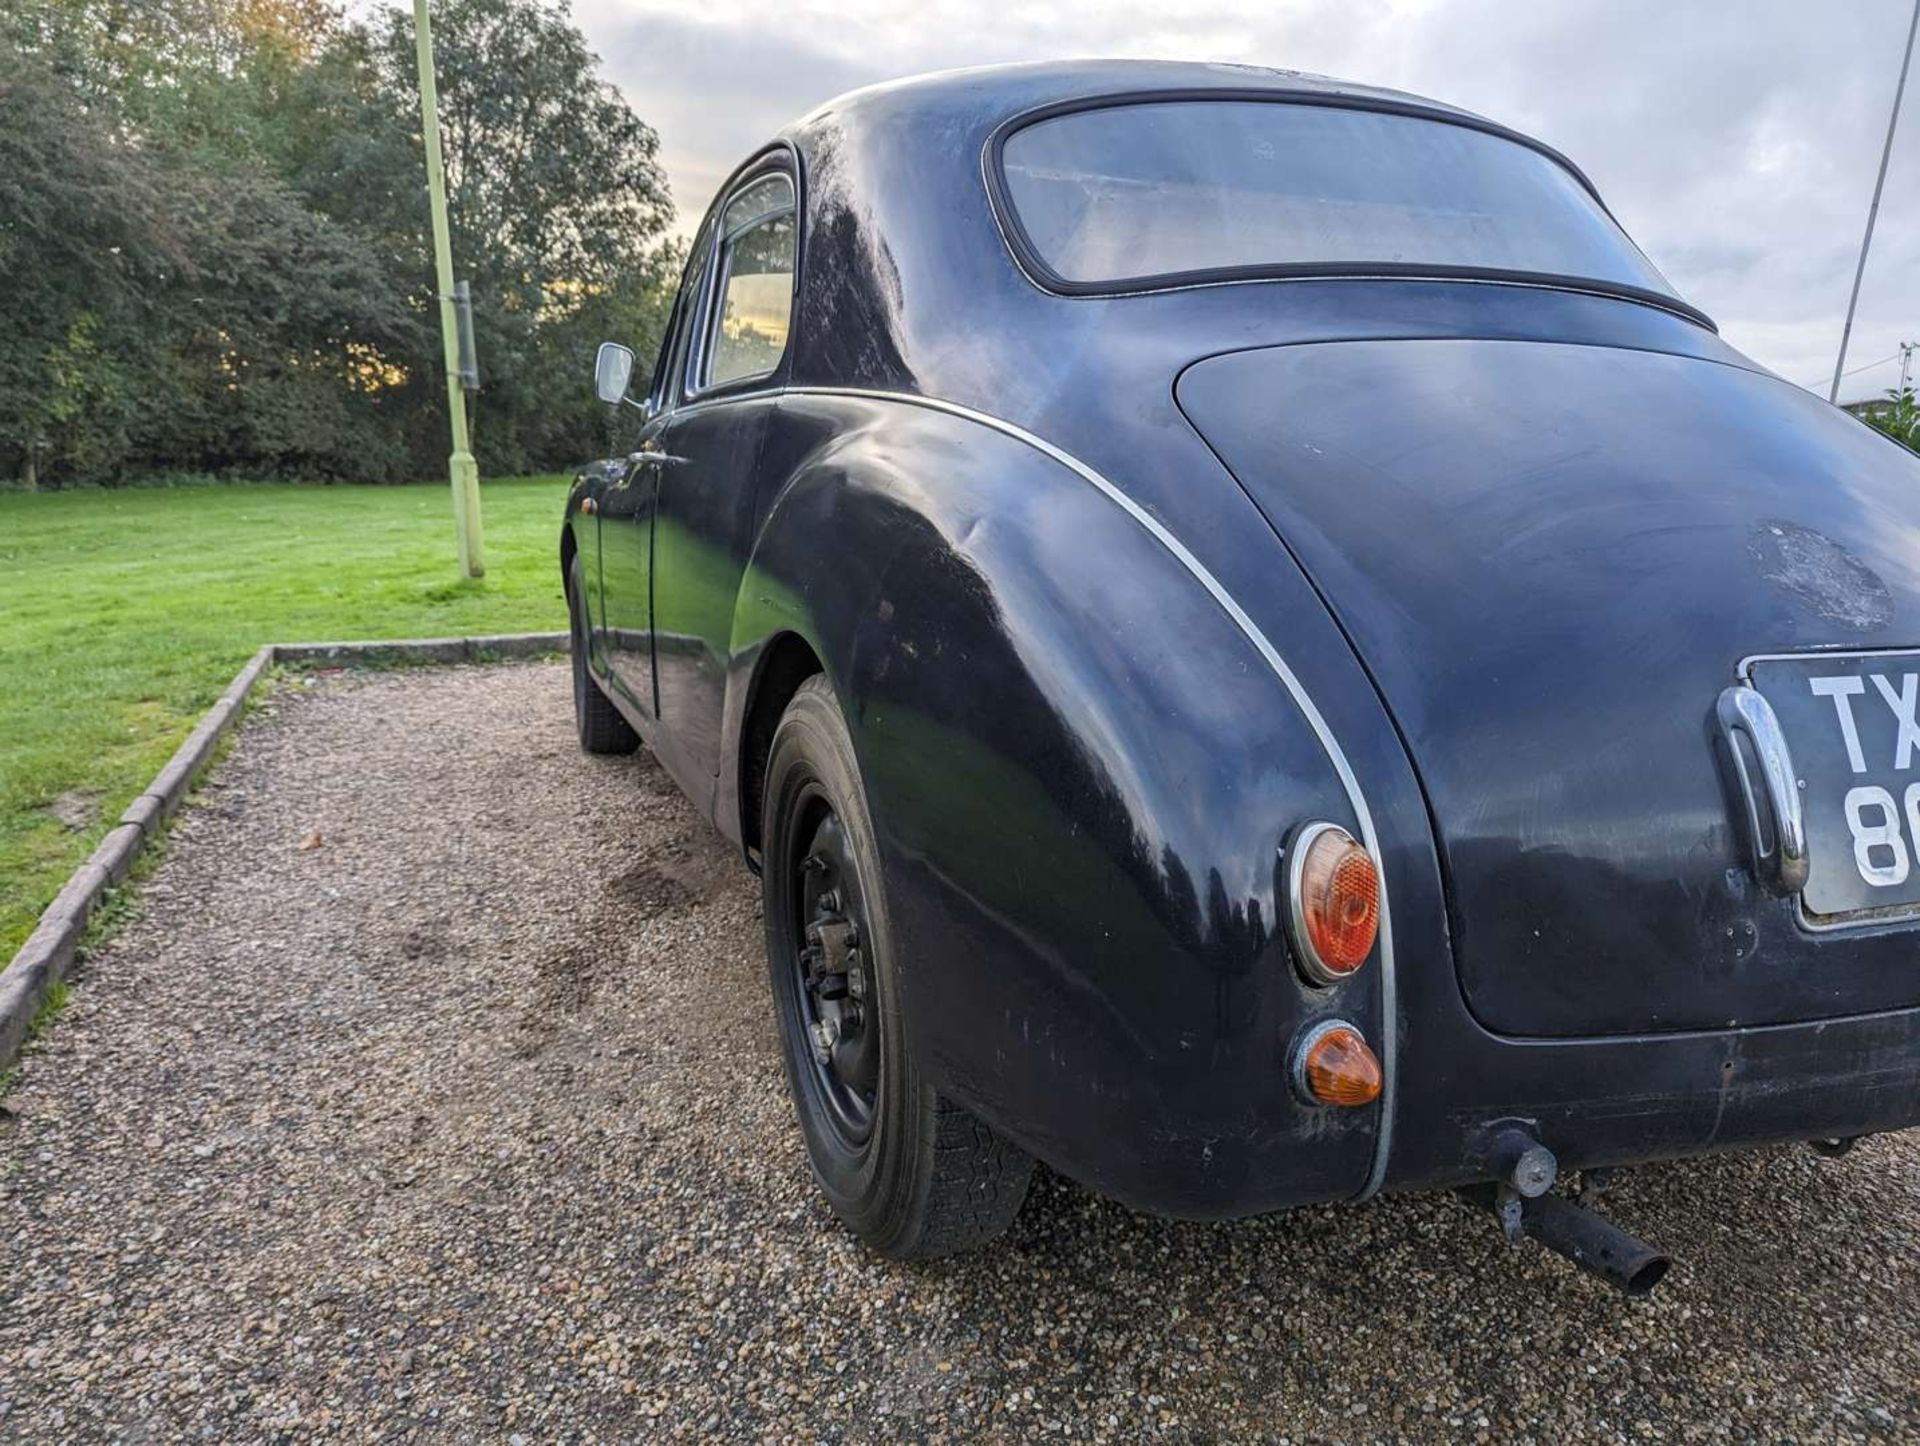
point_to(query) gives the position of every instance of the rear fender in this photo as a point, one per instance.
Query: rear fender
(1082, 774)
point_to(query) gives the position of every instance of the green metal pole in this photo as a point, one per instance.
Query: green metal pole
(462, 470)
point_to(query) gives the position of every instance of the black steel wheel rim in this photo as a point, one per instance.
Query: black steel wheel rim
(834, 995)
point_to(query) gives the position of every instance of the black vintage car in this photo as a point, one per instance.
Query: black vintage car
(1262, 655)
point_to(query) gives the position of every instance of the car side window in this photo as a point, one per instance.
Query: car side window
(665, 383)
(746, 332)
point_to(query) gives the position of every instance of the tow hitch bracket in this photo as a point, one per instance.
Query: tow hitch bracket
(1524, 1172)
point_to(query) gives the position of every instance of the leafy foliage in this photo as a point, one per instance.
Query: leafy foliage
(1898, 417)
(558, 207)
(213, 220)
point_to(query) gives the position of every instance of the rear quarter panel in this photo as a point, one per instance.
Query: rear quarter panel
(1081, 774)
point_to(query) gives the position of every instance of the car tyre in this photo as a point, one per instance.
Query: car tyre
(912, 1174)
(601, 728)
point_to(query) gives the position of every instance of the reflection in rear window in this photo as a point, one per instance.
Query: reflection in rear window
(1130, 192)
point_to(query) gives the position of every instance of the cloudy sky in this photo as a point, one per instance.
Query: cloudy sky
(1736, 139)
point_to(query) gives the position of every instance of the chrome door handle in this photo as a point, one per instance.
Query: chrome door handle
(1780, 863)
(647, 455)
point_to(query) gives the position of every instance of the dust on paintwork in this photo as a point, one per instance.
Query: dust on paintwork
(1820, 575)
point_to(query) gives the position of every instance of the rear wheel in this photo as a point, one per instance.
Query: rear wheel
(911, 1174)
(601, 728)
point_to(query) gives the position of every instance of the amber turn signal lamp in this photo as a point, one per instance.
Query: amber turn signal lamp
(1333, 902)
(1332, 1065)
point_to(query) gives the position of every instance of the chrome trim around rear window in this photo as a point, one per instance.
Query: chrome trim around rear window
(1027, 259)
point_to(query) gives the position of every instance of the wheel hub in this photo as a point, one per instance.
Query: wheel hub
(835, 987)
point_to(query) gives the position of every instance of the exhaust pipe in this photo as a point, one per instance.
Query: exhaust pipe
(1596, 1245)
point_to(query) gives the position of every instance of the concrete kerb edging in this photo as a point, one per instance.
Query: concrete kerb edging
(49, 950)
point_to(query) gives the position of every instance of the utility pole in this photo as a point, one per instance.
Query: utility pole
(1906, 362)
(462, 470)
(1873, 210)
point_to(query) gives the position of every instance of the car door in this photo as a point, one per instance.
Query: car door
(705, 502)
(626, 509)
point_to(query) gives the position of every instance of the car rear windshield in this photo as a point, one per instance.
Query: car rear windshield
(1152, 191)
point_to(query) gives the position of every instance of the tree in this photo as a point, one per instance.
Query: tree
(1898, 417)
(84, 241)
(559, 212)
(214, 224)
(173, 315)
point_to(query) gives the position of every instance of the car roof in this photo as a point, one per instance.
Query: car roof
(1022, 86)
(905, 263)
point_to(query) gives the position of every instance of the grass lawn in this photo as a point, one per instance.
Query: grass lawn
(124, 614)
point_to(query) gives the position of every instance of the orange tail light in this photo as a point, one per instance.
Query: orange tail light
(1333, 1065)
(1333, 903)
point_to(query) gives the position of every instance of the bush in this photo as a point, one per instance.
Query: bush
(1898, 417)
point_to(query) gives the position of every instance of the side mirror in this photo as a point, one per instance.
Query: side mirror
(612, 372)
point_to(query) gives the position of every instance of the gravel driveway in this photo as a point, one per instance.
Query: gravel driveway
(469, 1122)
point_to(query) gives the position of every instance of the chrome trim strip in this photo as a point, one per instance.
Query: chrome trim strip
(1569, 285)
(1838, 650)
(1389, 1003)
(1844, 923)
